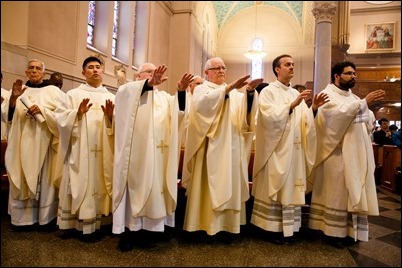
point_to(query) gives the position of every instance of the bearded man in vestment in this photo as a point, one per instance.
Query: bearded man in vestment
(32, 147)
(87, 142)
(146, 157)
(215, 168)
(285, 146)
(344, 191)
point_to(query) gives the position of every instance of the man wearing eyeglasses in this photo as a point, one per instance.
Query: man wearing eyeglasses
(220, 132)
(344, 190)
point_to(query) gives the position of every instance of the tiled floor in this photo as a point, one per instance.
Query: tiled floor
(40, 248)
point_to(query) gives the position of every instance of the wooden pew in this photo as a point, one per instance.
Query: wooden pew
(391, 167)
(378, 158)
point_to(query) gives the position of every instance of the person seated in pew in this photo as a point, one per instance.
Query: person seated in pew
(383, 135)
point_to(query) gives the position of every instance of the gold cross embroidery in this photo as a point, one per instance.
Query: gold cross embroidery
(299, 185)
(96, 107)
(162, 145)
(298, 144)
(96, 150)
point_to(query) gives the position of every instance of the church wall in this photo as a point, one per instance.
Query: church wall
(61, 45)
(280, 33)
(42, 20)
(192, 39)
(180, 40)
(362, 13)
(10, 10)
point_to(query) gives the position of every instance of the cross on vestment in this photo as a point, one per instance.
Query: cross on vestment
(96, 107)
(298, 144)
(299, 185)
(96, 150)
(162, 145)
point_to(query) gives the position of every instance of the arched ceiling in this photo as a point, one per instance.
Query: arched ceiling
(225, 10)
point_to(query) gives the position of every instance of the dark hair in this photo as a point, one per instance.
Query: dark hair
(261, 86)
(56, 79)
(382, 120)
(299, 87)
(89, 59)
(339, 67)
(277, 63)
(393, 127)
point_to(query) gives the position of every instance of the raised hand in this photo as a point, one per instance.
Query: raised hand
(239, 83)
(185, 80)
(374, 96)
(253, 84)
(84, 107)
(17, 90)
(319, 100)
(157, 76)
(108, 109)
(305, 94)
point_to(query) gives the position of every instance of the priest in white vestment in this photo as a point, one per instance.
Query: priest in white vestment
(32, 148)
(87, 142)
(215, 169)
(285, 147)
(146, 156)
(344, 190)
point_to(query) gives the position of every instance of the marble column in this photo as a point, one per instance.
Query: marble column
(323, 12)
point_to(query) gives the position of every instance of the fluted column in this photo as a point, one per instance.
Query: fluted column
(323, 12)
(343, 22)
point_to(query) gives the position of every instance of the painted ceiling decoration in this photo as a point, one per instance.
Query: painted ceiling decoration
(225, 10)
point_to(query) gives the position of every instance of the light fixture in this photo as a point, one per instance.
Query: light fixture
(344, 45)
(253, 52)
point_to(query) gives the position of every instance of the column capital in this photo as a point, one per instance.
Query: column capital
(324, 10)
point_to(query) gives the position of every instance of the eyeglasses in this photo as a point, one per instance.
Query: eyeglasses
(350, 73)
(223, 68)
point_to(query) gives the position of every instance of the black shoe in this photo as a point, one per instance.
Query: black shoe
(289, 240)
(226, 237)
(349, 241)
(275, 238)
(47, 228)
(24, 228)
(337, 242)
(143, 238)
(69, 233)
(125, 244)
(92, 237)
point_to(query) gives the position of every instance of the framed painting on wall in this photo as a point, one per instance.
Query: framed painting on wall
(380, 36)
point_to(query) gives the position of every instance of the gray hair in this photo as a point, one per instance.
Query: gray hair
(148, 64)
(36, 60)
(208, 64)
